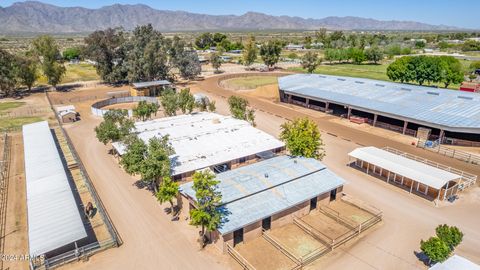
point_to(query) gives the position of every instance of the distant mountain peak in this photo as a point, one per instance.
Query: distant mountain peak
(38, 17)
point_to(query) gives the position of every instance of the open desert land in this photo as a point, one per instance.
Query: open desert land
(151, 239)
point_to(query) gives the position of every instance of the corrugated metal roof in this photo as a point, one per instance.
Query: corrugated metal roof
(260, 190)
(442, 108)
(150, 84)
(53, 217)
(455, 263)
(60, 109)
(205, 139)
(406, 167)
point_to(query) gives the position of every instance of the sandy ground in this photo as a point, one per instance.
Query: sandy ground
(152, 241)
(16, 239)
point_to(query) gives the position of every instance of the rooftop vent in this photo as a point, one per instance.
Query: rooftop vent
(295, 161)
(321, 76)
(381, 85)
(359, 82)
(266, 175)
(464, 97)
(341, 79)
(433, 93)
(405, 89)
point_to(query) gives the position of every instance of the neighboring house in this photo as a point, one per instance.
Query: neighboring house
(295, 47)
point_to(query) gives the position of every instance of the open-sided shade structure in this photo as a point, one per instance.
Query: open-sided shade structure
(54, 220)
(444, 109)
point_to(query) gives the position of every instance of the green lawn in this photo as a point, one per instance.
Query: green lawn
(76, 72)
(251, 82)
(368, 71)
(4, 106)
(15, 123)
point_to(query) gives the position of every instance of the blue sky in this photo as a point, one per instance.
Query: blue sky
(461, 13)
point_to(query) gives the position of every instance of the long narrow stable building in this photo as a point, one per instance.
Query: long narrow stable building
(207, 140)
(54, 221)
(267, 195)
(436, 183)
(452, 116)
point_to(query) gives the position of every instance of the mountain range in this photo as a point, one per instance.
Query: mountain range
(37, 17)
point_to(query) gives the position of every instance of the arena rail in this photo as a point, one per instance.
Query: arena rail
(449, 152)
(97, 106)
(239, 258)
(4, 178)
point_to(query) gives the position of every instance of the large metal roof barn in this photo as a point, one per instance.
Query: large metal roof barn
(54, 220)
(263, 189)
(444, 109)
(205, 139)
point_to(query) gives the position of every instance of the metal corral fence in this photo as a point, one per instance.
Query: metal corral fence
(467, 179)
(4, 177)
(239, 258)
(26, 111)
(85, 251)
(97, 106)
(434, 146)
(283, 249)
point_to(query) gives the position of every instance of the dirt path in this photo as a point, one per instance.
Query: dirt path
(151, 240)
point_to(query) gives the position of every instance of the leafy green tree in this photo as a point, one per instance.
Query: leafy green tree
(250, 52)
(474, 66)
(26, 70)
(169, 101)
(7, 73)
(270, 53)
(452, 236)
(357, 55)
(107, 132)
(302, 138)
(186, 101)
(167, 192)
(107, 48)
(219, 37)
(71, 53)
(188, 65)
(204, 41)
(399, 70)
(451, 70)
(238, 107)
(208, 198)
(46, 49)
(156, 164)
(144, 110)
(211, 106)
(435, 249)
(216, 61)
(470, 45)
(310, 61)
(251, 116)
(114, 127)
(147, 57)
(374, 54)
(134, 156)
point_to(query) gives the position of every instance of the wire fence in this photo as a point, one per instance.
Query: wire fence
(434, 146)
(467, 179)
(90, 249)
(4, 178)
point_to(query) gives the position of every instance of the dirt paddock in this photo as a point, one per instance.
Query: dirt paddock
(350, 211)
(325, 224)
(263, 255)
(296, 240)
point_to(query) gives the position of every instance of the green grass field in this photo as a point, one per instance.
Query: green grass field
(368, 71)
(76, 72)
(18, 122)
(251, 82)
(5, 106)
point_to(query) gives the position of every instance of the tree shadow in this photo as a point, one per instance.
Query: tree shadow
(422, 257)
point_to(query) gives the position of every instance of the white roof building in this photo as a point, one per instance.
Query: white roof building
(456, 263)
(205, 139)
(60, 109)
(54, 220)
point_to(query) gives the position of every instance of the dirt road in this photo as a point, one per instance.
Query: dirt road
(151, 240)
